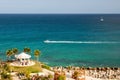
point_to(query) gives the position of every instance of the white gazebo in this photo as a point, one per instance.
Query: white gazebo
(22, 59)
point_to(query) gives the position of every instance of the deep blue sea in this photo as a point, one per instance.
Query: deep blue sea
(93, 42)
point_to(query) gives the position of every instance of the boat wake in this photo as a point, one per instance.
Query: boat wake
(81, 42)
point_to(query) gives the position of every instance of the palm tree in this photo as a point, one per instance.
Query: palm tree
(9, 53)
(36, 54)
(15, 51)
(27, 50)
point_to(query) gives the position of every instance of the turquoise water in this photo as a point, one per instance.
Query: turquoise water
(31, 30)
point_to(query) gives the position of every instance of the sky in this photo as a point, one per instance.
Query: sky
(59, 6)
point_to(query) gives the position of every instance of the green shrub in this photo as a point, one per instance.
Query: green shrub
(61, 77)
(5, 76)
(46, 66)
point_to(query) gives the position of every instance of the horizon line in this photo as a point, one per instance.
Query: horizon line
(61, 13)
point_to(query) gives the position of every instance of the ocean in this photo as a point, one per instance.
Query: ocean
(73, 39)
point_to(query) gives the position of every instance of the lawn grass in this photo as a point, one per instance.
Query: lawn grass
(32, 69)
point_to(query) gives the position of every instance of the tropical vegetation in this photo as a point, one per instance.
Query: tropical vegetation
(9, 53)
(27, 50)
(4, 71)
(37, 54)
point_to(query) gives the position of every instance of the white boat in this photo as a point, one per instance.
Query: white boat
(46, 41)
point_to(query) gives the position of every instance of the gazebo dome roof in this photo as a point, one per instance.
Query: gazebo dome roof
(23, 55)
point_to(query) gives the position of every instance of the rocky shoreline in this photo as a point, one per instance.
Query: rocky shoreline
(81, 73)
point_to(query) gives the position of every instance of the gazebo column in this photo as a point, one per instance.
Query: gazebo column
(26, 61)
(20, 61)
(29, 61)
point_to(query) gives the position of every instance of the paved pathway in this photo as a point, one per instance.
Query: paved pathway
(15, 77)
